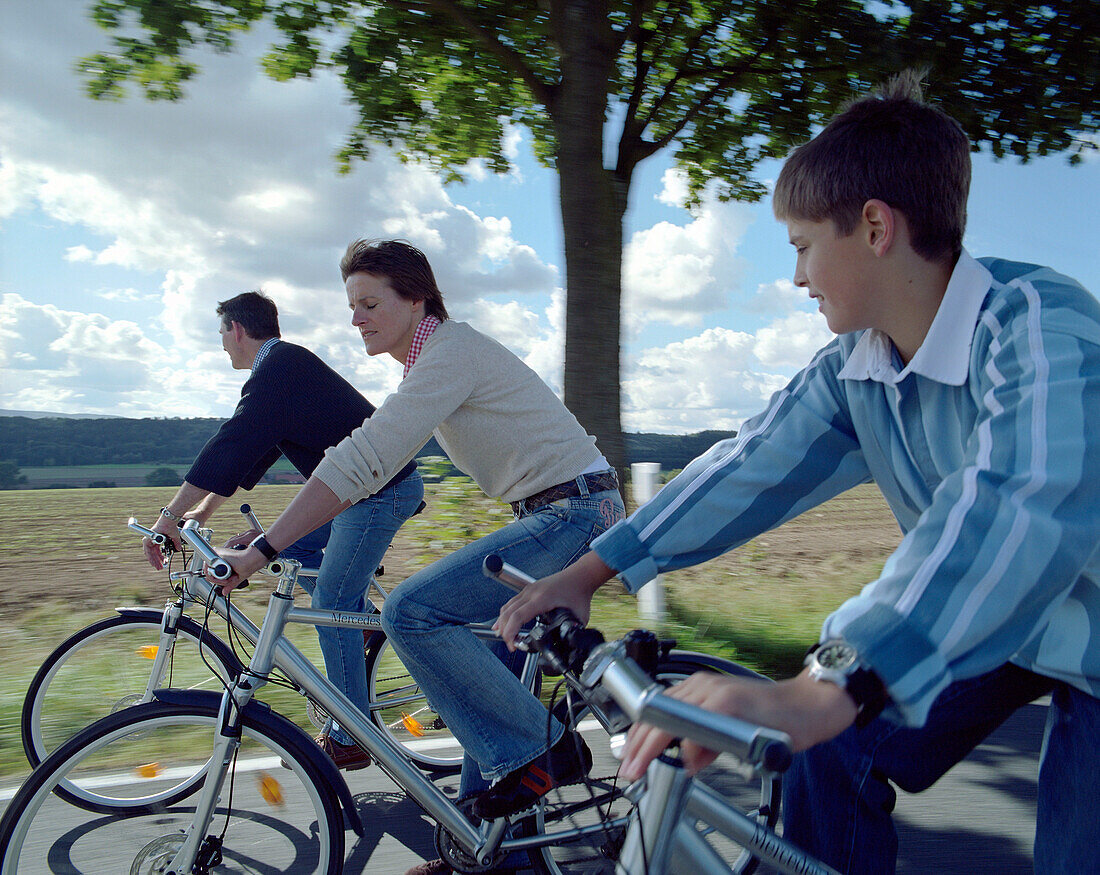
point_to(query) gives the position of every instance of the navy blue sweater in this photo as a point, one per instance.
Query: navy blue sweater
(293, 405)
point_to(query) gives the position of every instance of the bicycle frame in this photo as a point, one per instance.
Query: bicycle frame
(661, 836)
(273, 650)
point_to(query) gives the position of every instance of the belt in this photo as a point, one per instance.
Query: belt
(601, 482)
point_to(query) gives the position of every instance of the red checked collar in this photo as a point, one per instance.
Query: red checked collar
(423, 331)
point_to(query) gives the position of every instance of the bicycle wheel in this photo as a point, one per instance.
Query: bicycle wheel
(274, 819)
(110, 665)
(600, 801)
(402, 711)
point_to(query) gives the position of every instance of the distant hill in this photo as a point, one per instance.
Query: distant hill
(41, 414)
(53, 441)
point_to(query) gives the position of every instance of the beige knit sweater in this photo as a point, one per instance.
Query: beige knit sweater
(491, 413)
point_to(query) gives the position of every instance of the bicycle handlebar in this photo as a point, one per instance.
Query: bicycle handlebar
(158, 538)
(246, 509)
(595, 665)
(217, 567)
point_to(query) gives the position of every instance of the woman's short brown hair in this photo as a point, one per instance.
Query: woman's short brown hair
(405, 266)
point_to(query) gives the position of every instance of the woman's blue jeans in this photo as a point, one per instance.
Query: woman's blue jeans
(837, 796)
(359, 539)
(496, 719)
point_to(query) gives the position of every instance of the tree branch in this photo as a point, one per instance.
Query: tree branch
(513, 60)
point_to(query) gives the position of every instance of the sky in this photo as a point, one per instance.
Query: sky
(122, 224)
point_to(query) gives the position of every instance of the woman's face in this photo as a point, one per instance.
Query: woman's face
(385, 320)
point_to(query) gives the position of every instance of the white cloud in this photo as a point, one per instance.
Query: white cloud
(790, 342)
(79, 253)
(55, 357)
(718, 378)
(678, 275)
(233, 188)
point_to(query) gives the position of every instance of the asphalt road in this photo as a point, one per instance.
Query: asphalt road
(978, 819)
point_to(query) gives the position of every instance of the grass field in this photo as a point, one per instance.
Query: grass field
(66, 559)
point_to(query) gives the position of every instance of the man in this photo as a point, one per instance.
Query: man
(295, 404)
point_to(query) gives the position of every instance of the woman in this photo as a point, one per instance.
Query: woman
(503, 426)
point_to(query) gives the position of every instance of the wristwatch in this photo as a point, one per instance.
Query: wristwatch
(837, 662)
(174, 517)
(264, 547)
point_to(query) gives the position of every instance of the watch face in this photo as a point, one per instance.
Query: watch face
(836, 655)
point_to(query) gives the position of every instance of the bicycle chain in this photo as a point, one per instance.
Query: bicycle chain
(460, 861)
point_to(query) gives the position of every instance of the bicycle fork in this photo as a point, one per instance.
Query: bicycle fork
(200, 850)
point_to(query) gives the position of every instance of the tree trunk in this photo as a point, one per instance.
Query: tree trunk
(593, 205)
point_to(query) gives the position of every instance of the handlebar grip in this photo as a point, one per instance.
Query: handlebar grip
(776, 756)
(220, 570)
(495, 567)
(254, 523)
(217, 567)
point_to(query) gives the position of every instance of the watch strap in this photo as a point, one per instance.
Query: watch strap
(863, 685)
(264, 547)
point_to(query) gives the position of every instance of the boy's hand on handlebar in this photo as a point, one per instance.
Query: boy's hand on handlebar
(153, 552)
(809, 711)
(571, 588)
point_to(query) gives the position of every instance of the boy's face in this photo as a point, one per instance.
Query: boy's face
(837, 273)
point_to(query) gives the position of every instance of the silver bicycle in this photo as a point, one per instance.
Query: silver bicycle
(121, 660)
(266, 798)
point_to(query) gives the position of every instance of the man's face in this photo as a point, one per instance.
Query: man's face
(385, 320)
(836, 272)
(232, 346)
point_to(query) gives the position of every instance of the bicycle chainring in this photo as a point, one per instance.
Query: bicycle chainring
(157, 856)
(452, 853)
(317, 715)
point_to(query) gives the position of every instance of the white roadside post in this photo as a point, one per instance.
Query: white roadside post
(651, 597)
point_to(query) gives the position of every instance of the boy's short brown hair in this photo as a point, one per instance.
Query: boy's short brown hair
(405, 266)
(891, 146)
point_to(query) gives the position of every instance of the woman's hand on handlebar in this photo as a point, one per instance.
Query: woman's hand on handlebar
(571, 588)
(243, 562)
(243, 539)
(809, 711)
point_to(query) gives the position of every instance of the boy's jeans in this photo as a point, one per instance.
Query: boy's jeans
(359, 539)
(491, 713)
(837, 796)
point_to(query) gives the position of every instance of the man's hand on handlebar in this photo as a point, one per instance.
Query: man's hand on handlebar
(153, 552)
(809, 711)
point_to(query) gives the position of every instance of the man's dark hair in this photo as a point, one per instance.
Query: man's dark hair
(405, 266)
(254, 311)
(890, 146)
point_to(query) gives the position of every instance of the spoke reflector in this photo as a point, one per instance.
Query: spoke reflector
(413, 725)
(270, 789)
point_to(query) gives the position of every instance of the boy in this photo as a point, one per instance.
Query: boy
(970, 393)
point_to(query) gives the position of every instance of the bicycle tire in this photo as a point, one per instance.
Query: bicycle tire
(38, 830)
(598, 853)
(106, 667)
